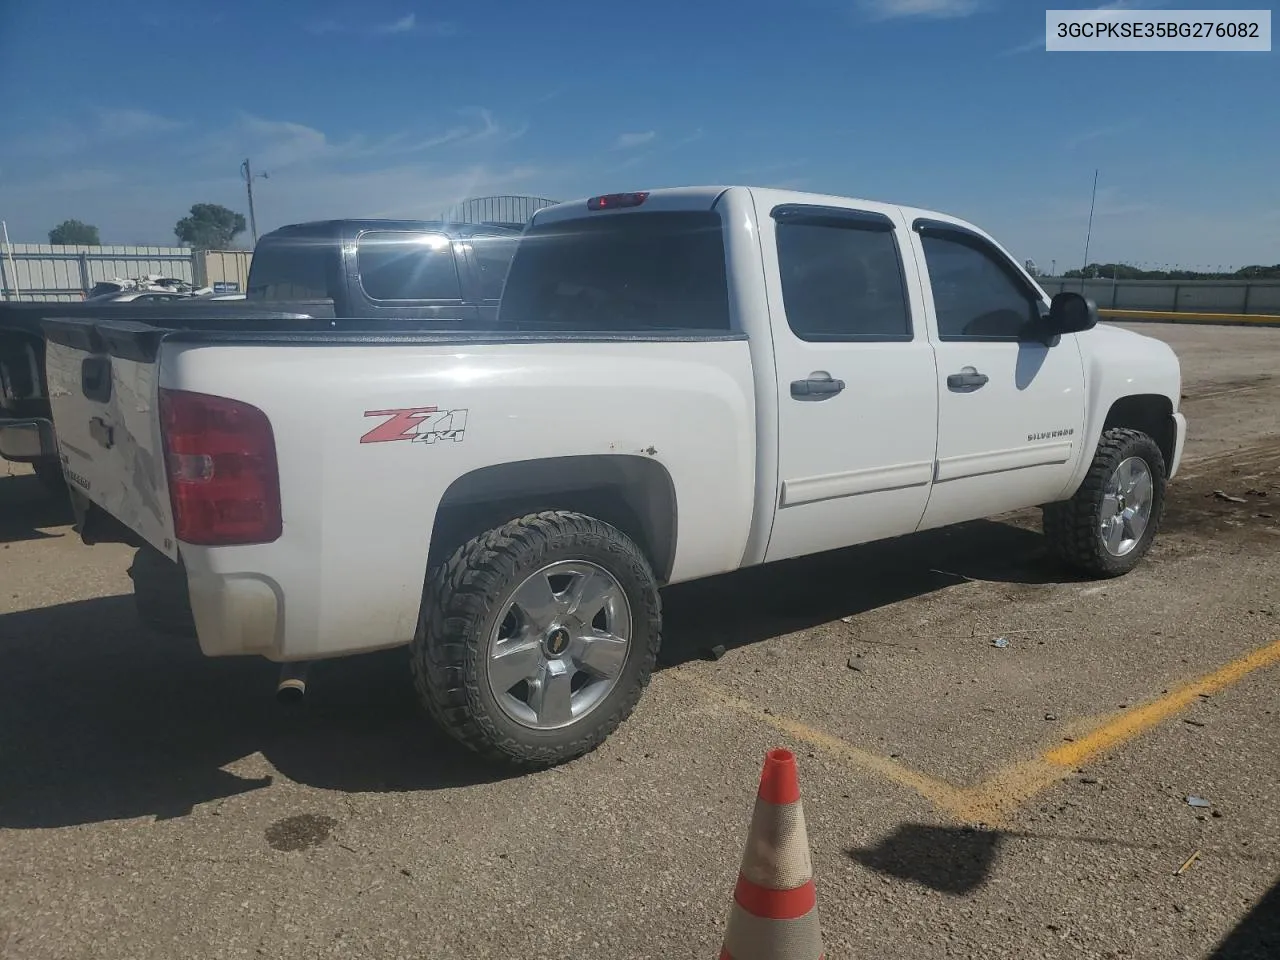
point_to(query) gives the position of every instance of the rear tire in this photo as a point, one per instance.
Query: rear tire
(482, 632)
(1108, 526)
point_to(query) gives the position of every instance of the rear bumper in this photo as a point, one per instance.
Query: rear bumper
(28, 440)
(229, 615)
(236, 615)
(1179, 443)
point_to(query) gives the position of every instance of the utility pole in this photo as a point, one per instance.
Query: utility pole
(247, 173)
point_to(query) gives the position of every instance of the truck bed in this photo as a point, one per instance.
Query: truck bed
(663, 417)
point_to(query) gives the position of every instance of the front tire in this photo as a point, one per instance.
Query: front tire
(537, 638)
(1108, 526)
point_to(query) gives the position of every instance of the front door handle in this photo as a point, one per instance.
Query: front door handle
(816, 387)
(967, 379)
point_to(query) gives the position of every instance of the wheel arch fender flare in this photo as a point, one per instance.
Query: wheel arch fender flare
(633, 493)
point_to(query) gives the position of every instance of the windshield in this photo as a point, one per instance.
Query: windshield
(634, 271)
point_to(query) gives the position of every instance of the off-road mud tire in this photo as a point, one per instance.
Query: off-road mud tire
(464, 594)
(1072, 526)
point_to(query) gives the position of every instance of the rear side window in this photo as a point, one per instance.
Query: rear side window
(493, 259)
(291, 268)
(621, 272)
(407, 266)
(842, 278)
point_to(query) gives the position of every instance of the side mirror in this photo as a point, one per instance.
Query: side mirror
(1071, 313)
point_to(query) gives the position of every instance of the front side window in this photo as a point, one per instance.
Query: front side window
(407, 266)
(975, 296)
(620, 272)
(842, 281)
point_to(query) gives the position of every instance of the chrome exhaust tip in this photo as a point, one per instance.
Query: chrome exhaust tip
(292, 686)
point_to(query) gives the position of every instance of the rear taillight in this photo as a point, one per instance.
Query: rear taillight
(220, 456)
(612, 201)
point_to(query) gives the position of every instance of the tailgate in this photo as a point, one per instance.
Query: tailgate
(103, 387)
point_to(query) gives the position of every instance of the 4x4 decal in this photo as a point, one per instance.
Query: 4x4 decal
(417, 424)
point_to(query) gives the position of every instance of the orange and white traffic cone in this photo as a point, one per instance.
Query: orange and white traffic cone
(775, 908)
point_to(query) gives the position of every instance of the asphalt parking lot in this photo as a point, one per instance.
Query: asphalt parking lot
(963, 799)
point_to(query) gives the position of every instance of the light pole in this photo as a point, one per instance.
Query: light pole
(249, 176)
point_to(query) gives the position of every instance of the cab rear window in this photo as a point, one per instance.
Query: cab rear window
(291, 268)
(620, 272)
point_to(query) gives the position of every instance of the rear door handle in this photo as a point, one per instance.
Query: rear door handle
(967, 379)
(815, 387)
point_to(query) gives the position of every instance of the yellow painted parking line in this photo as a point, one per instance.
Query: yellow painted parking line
(1262, 318)
(1005, 791)
(1132, 723)
(941, 794)
(1008, 789)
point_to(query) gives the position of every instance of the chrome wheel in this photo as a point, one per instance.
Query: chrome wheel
(1126, 506)
(559, 645)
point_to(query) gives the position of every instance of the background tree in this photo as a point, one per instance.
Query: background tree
(210, 226)
(1121, 271)
(73, 232)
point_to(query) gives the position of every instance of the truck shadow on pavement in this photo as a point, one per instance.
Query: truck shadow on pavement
(26, 507)
(101, 719)
(769, 601)
(1257, 936)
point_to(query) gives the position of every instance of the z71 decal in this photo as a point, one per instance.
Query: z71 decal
(417, 424)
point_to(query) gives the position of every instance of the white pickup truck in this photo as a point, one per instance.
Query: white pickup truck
(679, 383)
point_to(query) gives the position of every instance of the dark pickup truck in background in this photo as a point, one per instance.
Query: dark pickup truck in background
(306, 273)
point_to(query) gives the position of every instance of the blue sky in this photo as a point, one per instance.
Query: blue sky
(123, 114)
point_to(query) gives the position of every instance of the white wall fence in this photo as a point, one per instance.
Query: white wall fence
(1176, 296)
(43, 271)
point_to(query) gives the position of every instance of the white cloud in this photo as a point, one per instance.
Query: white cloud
(414, 172)
(132, 205)
(63, 138)
(1097, 133)
(66, 183)
(131, 122)
(629, 141)
(1035, 43)
(664, 149)
(927, 9)
(405, 24)
(285, 143)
